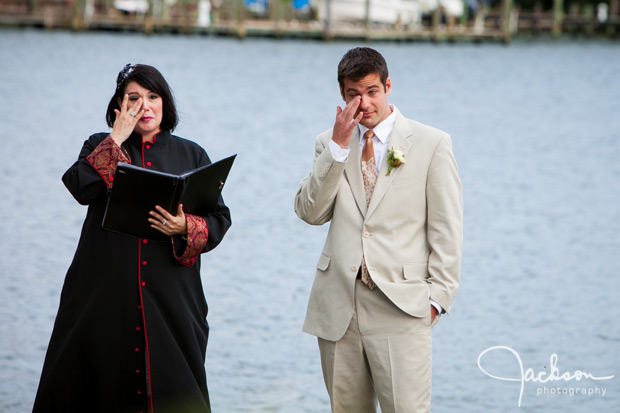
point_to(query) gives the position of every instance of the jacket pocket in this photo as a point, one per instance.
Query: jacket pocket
(415, 271)
(323, 262)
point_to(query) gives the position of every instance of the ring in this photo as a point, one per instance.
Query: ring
(132, 114)
(164, 223)
(353, 121)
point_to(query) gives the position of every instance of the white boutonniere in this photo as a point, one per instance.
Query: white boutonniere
(395, 159)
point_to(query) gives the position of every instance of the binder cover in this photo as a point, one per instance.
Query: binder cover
(136, 191)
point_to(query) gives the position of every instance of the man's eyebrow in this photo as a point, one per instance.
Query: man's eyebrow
(368, 88)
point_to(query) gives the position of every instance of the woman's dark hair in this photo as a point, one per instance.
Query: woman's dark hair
(360, 62)
(149, 78)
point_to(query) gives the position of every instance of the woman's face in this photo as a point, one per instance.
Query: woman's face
(149, 123)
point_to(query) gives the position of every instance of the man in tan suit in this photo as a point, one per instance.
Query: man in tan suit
(391, 262)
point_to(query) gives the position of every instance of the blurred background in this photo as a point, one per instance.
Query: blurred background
(536, 133)
(439, 20)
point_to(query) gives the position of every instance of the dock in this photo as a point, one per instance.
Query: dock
(500, 23)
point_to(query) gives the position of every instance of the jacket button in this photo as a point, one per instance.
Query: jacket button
(143, 284)
(137, 328)
(354, 268)
(137, 350)
(145, 241)
(148, 146)
(143, 263)
(148, 164)
(366, 234)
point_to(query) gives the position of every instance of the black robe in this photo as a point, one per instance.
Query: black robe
(131, 331)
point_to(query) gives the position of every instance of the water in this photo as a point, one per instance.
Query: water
(536, 133)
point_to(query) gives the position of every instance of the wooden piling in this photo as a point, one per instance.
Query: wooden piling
(507, 9)
(367, 19)
(436, 20)
(558, 17)
(613, 19)
(588, 19)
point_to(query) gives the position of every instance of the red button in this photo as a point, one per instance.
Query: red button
(139, 392)
(136, 349)
(137, 371)
(111, 179)
(143, 262)
(143, 283)
(148, 164)
(148, 146)
(139, 307)
(137, 328)
(145, 241)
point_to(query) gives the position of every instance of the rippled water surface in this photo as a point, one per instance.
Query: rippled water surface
(536, 133)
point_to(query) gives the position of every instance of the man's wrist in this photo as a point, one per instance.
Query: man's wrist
(338, 153)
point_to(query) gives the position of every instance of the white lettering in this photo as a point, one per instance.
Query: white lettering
(543, 376)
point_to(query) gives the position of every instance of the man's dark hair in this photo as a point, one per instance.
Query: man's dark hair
(360, 62)
(149, 78)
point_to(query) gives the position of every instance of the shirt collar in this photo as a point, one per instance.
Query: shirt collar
(384, 129)
(161, 138)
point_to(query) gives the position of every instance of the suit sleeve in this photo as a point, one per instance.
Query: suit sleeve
(314, 201)
(445, 224)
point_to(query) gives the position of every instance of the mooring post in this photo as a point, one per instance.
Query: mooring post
(367, 19)
(558, 17)
(79, 6)
(328, 17)
(507, 6)
(148, 21)
(436, 20)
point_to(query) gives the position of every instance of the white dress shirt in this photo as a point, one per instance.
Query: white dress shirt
(381, 141)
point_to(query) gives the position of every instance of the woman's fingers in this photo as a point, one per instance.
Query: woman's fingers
(135, 110)
(167, 223)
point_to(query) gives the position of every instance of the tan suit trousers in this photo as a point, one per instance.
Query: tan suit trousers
(385, 355)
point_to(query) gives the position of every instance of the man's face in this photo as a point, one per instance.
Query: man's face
(373, 103)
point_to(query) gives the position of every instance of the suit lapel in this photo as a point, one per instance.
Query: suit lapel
(353, 171)
(399, 140)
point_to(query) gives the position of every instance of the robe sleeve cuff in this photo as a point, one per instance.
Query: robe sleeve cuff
(106, 157)
(197, 236)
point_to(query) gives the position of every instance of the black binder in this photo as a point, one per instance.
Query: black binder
(136, 191)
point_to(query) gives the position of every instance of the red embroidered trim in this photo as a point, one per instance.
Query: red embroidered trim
(105, 158)
(146, 338)
(197, 236)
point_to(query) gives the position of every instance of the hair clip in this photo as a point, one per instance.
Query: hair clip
(122, 75)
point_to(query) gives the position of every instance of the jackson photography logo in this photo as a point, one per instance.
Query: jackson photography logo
(547, 377)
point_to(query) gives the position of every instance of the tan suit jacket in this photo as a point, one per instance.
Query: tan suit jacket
(410, 234)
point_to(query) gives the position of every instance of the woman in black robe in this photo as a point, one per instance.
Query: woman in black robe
(131, 331)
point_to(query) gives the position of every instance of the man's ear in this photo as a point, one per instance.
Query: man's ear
(388, 86)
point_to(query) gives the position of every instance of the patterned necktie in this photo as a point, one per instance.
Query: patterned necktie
(369, 174)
